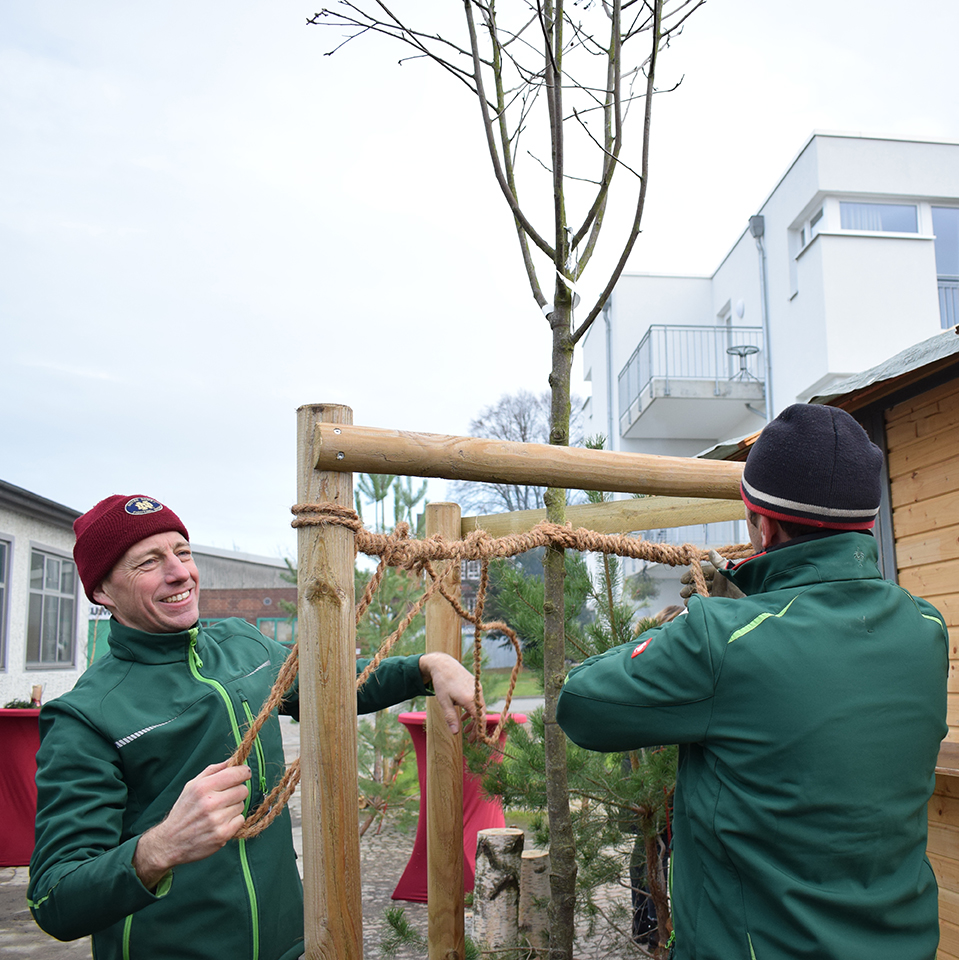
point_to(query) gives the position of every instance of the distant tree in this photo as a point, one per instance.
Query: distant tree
(522, 417)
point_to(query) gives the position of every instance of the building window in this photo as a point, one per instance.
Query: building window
(879, 217)
(945, 225)
(52, 618)
(4, 568)
(278, 628)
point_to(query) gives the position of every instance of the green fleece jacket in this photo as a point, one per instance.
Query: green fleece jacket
(115, 753)
(809, 716)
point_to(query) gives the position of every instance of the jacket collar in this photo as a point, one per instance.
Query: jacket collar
(141, 647)
(844, 556)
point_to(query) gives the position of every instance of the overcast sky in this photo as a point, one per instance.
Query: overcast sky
(205, 223)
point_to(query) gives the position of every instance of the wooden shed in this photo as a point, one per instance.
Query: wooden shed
(910, 407)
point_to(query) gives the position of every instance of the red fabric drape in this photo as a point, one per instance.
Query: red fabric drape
(19, 742)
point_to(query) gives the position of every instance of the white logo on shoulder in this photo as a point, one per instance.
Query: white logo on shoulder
(139, 506)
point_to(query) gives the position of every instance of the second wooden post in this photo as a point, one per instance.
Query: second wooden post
(444, 768)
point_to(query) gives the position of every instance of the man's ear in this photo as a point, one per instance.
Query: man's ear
(102, 597)
(767, 528)
(772, 533)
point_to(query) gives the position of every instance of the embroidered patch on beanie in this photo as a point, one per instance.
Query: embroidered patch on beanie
(139, 506)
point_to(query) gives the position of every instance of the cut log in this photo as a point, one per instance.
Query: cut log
(496, 892)
(534, 900)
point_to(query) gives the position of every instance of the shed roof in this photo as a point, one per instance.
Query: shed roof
(914, 363)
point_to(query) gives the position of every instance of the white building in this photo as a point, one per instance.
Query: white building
(861, 243)
(43, 621)
(853, 257)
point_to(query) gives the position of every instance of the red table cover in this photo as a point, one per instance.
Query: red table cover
(19, 742)
(479, 813)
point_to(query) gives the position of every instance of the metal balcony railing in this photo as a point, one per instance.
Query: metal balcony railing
(948, 301)
(669, 352)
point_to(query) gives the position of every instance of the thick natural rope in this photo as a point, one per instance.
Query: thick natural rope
(398, 550)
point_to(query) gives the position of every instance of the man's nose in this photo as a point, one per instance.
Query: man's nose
(175, 568)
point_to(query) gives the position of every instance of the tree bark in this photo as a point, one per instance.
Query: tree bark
(534, 900)
(562, 845)
(496, 891)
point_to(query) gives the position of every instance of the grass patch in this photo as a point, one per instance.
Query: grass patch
(496, 683)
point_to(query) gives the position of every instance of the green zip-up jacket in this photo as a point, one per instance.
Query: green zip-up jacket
(809, 716)
(115, 753)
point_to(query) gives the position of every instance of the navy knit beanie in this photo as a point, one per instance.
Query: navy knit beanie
(114, 525)
(814, 465)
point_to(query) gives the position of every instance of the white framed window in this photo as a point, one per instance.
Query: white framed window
(878, 217)
(4, 593)
(52, 614)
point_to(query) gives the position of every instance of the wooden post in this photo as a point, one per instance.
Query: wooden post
(328, 741)
(378, 450)
(534, 896)
(444, 769)
(496, 894)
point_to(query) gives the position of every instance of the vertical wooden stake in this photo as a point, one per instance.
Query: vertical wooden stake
(332, 898)
(444, 770)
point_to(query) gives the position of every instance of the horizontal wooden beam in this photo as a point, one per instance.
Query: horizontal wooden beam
(615, 516)
(377, 450)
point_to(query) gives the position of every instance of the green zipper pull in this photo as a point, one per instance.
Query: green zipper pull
(194, 656)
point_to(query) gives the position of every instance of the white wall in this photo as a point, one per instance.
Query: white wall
(15, 679)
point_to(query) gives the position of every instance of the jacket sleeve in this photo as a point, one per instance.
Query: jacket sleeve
(81, 873)
(658, 689)
(395, 680)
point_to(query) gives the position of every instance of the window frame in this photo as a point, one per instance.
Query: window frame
(6, 546)
(871, 231)
(53, 553)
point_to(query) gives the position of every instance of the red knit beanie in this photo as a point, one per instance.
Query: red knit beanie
(114, 525)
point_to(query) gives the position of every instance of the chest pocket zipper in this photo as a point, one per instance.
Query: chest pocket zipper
(257, 746)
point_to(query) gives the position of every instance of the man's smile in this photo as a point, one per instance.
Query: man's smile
(176, 598)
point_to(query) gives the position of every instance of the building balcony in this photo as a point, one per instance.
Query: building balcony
(948, 301)
(687, 382)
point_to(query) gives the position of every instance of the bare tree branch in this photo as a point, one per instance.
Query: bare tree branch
(641, 200)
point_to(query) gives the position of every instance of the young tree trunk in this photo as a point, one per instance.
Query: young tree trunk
(562, 846)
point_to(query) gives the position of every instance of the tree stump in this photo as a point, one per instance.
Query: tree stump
(534, 899)
(496, 891)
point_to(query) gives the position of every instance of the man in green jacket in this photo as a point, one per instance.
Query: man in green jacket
(137, 808)
(809, 714)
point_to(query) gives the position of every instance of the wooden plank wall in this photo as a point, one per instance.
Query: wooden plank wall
(923, 456)
(922, 436)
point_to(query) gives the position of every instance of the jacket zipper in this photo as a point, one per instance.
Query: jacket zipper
(257, 746)
(195, 665)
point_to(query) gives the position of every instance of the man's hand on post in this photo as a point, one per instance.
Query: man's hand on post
(453, 685)
(206, 815)
(717, 586)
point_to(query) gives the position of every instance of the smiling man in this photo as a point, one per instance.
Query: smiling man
(137, 809)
